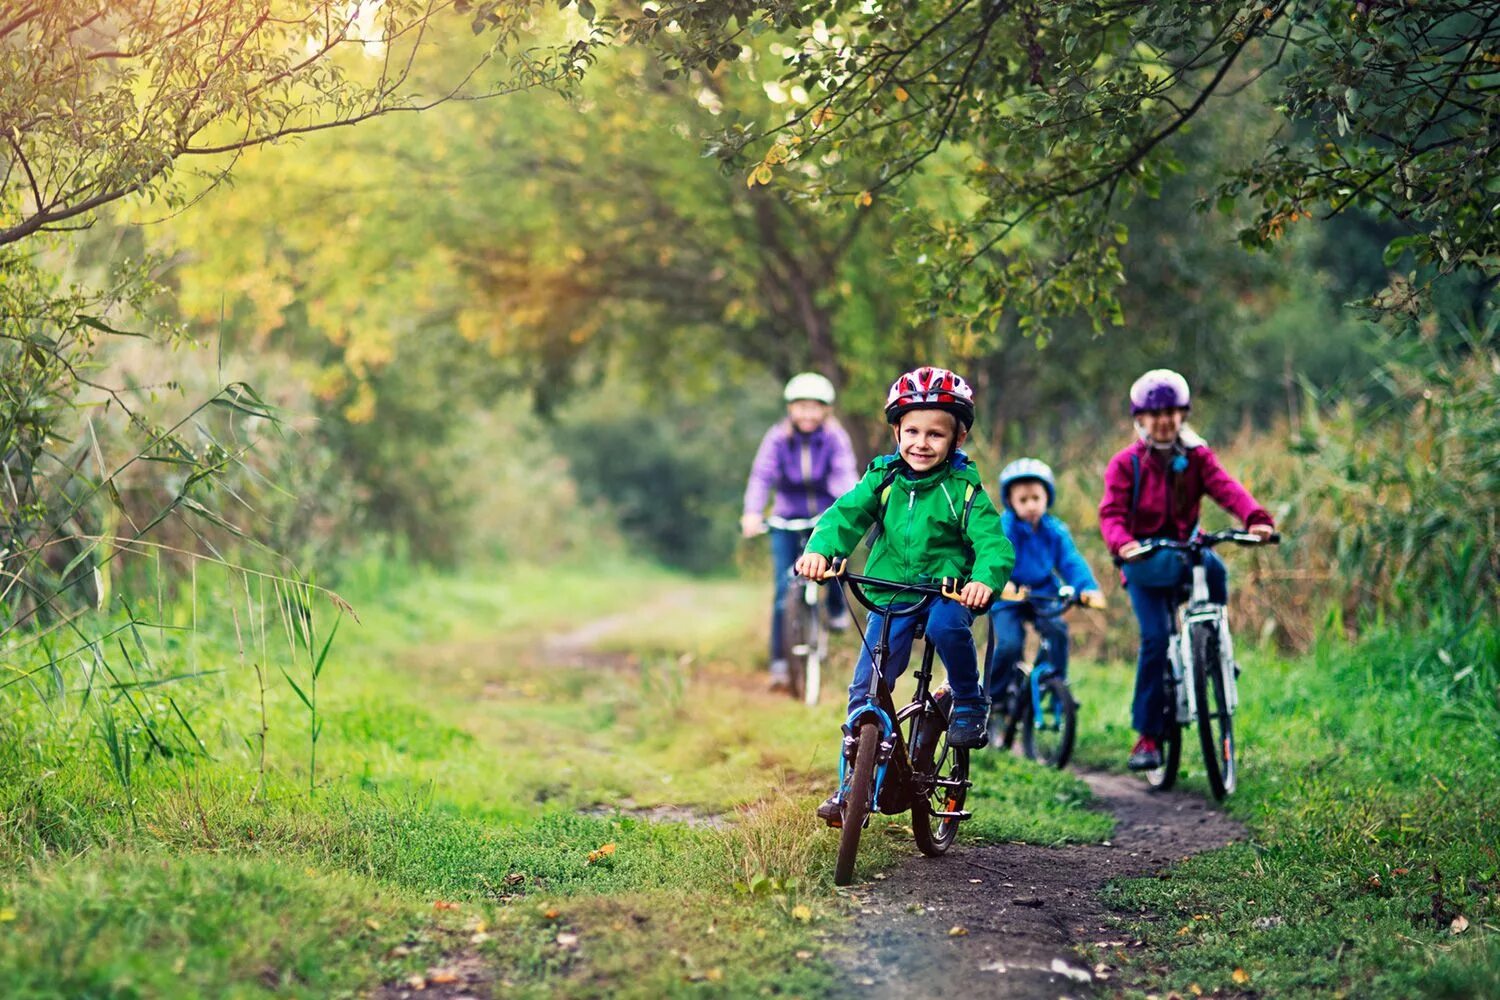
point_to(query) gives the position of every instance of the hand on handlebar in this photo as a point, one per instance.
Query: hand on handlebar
(975, 595)
(813, 566)
(1261, 531)
(1092, 599)
(1130, 550)
(752, 525)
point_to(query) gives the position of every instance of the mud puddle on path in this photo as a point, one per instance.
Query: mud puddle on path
(1023, 910)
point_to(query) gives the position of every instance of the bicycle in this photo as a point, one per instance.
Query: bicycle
(1202, 670)
(804, 623)
(882, 769)
(1037, 702)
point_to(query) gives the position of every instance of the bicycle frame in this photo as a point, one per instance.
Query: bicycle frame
(878, 703)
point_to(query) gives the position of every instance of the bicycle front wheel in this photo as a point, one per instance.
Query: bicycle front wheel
(796, 639)
(1215, 720)
(1163, 778)
(859, 800)
(944, 770)
(1049, 738)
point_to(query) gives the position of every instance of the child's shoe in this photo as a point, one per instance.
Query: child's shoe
(966, 730)
(1145, 756)
(832, 811)
(781, 676)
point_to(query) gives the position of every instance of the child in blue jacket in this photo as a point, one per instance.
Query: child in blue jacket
(1044, 553)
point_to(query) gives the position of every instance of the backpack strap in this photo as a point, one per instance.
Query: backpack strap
(884, 492)
(1135, 489)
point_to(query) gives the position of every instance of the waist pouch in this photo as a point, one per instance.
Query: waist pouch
(1161, 569)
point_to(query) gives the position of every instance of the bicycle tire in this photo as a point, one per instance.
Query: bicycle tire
(858, 802)
(951, 764)
(1053, 755)
(1215, 721)
(794, 639)
(1162, 779)
(817, 651)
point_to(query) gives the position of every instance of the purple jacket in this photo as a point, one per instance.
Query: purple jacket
(807, 472)
(1167, 506)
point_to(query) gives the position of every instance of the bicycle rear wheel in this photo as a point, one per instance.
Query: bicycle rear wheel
(945, 771)
(1049, 739)
(1215, 721)
(859, 800)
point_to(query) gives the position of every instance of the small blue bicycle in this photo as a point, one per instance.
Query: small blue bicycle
(1037, 703)
(880, 768)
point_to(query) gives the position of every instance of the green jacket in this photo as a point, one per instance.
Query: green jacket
(923, 538)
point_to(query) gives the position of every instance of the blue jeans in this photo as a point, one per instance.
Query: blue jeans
(786, 546)
(948, 629)
(1154, 607)
(1007, 619)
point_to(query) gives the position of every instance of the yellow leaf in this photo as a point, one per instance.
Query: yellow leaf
(601, 853)
(802, 912)
(956, 931)
(7, 915)
(863, 199)
(822, 116)
(373, 924)
(1195, 990)
(902, 95)
(1240, 976)
(714, 975)
(760, 175)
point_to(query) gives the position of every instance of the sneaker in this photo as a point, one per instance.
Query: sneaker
(966, 730)
(1145, 756)
(840, 622)
(832, 811)
(781, 677)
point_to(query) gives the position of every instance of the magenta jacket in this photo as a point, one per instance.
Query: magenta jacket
(1167, 506)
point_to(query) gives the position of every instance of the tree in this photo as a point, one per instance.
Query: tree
(1066, 112)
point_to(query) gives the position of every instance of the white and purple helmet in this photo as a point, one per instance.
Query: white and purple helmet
(1160, 389)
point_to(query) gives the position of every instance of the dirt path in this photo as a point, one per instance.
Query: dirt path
(1023, 909)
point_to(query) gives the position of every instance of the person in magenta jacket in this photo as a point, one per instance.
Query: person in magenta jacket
(806, 462)
(1153, 489)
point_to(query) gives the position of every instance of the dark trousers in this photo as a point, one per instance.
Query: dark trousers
(1008, 619)
(786, 546)
(1154, 607)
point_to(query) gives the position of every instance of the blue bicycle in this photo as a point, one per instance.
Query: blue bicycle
(1037, 703)
(880, 767)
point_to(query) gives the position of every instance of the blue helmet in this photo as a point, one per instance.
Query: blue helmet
(1023, 469)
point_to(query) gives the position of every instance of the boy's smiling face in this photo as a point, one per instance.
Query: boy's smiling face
(925, 438)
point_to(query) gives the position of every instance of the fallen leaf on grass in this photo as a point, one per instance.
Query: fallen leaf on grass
(956, 931)
(372, 923)
(551, 914)
(441, 977)
(599, 855)
(417, 983)
(1240, 976)
(1400, 871)
(515, 878)
(802, 912)
(1195, 990)
(1459, 925)
(567, 940)
(804, 955)
(443, 904)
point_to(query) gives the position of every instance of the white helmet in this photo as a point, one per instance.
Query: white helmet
(809, 385)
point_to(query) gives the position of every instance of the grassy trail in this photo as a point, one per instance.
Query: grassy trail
(495, 763)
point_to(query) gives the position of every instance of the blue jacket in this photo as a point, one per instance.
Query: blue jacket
(1045, 553)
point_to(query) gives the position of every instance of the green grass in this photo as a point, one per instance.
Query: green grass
(1371, 788)
(456, 756)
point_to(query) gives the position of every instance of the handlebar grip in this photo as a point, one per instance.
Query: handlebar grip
(837, 566)
(952, 588)
(1013, 592)
(1090, 601)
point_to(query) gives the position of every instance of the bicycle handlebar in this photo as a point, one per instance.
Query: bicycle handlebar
(948, 587)
(1205, 540)
(792, 523)
(1050, 604)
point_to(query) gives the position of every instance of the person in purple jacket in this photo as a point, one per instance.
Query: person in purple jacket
(1153, 489)
(807, 462)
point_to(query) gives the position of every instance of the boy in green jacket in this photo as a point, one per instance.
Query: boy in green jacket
(936, 521)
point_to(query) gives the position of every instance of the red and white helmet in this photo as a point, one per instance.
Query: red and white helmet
(928, 388)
